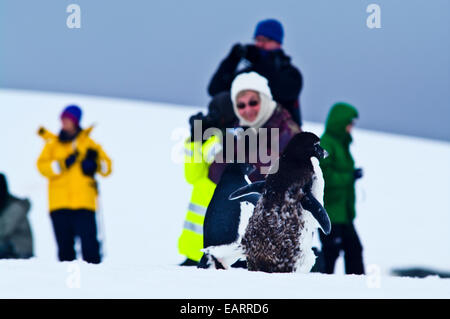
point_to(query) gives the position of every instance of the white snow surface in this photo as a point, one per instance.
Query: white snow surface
(403, 210)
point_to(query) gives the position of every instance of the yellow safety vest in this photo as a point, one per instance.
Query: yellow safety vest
(198, 158)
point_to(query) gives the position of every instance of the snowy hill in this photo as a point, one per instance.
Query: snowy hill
(403, 210)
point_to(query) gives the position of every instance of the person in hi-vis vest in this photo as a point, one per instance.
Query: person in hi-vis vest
(199, 154)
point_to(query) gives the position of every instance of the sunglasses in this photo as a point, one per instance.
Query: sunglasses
(252, 103)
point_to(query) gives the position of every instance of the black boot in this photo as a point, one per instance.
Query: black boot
(189, 262)
(240, 264)
(319, 265)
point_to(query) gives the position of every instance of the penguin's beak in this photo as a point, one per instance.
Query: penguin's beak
(320, 152)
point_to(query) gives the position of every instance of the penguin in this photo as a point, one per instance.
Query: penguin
(279, 234)
(225, 220)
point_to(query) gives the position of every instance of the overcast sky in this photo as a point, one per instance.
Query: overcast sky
(397, 76)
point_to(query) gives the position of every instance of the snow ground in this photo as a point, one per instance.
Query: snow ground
(403, 211)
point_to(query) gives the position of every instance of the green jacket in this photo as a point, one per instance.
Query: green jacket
(338, 168)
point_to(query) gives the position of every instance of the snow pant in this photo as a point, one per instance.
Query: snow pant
(343, 237)
(319, 264)
(69, 224)
(6, 250)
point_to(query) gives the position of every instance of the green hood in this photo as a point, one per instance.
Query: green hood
(341, 114)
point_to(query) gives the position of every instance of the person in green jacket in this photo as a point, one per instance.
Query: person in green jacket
(340, 174)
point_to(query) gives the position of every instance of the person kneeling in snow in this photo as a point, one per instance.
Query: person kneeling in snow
(70, 162)
(15, 233)
(199, 154)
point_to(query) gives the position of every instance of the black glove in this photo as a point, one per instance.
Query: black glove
(358, 173)
(70, 160)
(207, 122)
(197, 117)
(237, 52)
(252, 53)
(89, 164)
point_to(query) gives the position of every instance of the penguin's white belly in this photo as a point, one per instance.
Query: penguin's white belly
(306, 258)
(318, 181)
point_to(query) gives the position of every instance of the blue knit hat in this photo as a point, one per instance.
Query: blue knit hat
(72, 112)
(271, 29)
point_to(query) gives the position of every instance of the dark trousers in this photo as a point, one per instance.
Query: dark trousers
(69, 224)
(343, 237)
(6, 250)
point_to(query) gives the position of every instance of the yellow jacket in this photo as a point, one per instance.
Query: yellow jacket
(198, 158)
(69, 188)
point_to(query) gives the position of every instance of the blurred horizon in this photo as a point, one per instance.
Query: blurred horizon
(398, 76)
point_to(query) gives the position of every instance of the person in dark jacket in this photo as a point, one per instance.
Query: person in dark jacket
(340, 175)
(267, 58)
(16, 240)
(255, 108)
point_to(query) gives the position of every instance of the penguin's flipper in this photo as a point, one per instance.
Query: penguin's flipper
(246, 168)
(254, 188)
(311, 204)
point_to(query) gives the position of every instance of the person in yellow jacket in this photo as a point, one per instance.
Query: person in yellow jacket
(199, 154)
(70, 162)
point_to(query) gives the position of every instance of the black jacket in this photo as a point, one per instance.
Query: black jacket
(285, 80)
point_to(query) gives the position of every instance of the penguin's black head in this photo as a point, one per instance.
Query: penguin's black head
(319, 152)
(303, 146)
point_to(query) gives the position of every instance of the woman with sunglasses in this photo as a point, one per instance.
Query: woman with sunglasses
(255, 108)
